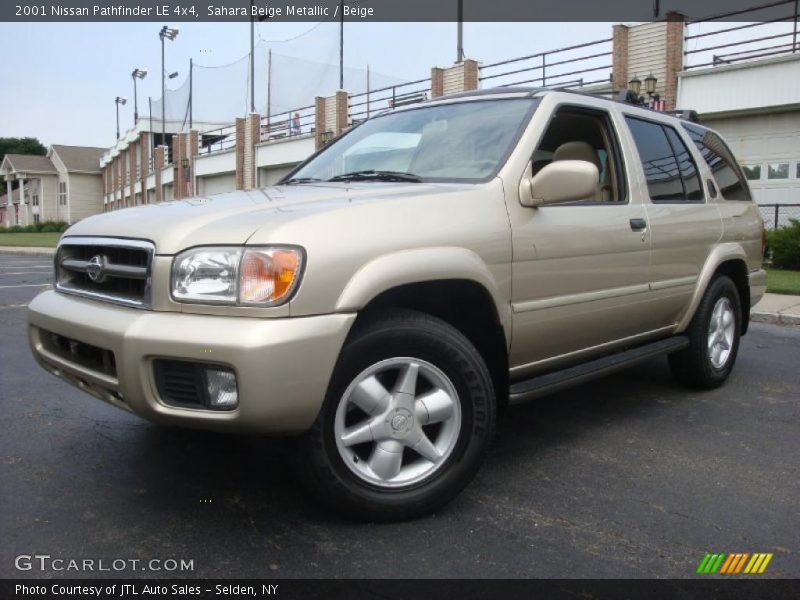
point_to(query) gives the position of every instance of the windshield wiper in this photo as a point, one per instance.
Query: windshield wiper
(373, 175)
(296, 180)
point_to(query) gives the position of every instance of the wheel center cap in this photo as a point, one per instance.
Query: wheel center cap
(400, 422)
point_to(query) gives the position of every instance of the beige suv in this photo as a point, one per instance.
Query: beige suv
(403, 285)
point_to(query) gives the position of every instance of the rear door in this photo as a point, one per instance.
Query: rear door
(683, 226)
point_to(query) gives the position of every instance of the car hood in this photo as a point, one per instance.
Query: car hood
(233, 218)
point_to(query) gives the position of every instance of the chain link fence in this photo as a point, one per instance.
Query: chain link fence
(778, 215)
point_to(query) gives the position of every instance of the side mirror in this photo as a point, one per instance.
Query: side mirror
(560, 181)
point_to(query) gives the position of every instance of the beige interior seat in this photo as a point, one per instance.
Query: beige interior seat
(581, 151)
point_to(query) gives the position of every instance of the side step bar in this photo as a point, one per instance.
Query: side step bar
(542, 385)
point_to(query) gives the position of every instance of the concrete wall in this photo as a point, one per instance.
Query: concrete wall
(753, 85)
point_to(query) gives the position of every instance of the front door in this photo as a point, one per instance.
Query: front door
(581, 269)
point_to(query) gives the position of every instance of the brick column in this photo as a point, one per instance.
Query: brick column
(437, 82)
(192, 151)
(178, 152)
(240, 143)
(158, 164)
(132, 175)
(471, 73)
(619, 60)
(252, 131)
(319, 121)
(460, 77)
(144, 161)
(115, 163)
(103, 173)
(341, 111)
(674, 58)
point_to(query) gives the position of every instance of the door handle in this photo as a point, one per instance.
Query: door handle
(638, 224)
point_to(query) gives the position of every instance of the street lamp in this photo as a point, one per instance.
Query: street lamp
(633, 94)
(650, 84)
(166, 33)
(137, 74)
(117, 101)
(635, 85)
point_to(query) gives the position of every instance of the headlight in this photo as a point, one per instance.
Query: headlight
(263, 276)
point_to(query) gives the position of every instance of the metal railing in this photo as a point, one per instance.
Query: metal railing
(216, 140)
(366, 104)
(778, 215)
(580, 65)
(298, 121)
(759, 39)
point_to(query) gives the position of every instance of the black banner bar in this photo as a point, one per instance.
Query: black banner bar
(387, 10)
(404, 589)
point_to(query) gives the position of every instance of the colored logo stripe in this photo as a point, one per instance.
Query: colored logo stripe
(734, 563)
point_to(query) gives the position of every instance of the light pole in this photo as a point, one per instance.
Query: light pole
(460, 42)
(136, 74)
(166, 33)
(117, 101)
(252, 59)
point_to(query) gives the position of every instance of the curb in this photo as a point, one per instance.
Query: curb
(775, 318)
(27, 250)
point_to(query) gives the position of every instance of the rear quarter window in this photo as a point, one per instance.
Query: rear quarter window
(729, 177)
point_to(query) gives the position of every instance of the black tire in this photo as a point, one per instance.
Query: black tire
(693, 366)
(391, 334)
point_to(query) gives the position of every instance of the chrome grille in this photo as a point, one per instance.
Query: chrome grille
(108, 269)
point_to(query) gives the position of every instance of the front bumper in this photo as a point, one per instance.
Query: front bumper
(282, 365)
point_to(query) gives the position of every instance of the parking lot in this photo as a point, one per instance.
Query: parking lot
(630, 476)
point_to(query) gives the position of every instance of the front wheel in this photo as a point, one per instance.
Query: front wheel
(405, 423)
(713, 338)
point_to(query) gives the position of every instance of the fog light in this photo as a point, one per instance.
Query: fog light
(222, 391)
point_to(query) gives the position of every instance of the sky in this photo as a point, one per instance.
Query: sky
(62, 78)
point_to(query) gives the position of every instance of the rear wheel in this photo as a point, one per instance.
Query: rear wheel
(713, 338)
(406, 420)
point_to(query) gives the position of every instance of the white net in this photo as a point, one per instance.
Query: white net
(221, 93)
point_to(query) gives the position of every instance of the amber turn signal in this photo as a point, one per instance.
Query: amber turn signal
(268, 275)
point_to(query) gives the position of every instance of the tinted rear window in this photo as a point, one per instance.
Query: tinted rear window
(729, 177)
(667, 180)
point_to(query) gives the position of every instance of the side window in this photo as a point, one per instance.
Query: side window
(687, 166)
(729, 177)
(577, 133)
(661, 170)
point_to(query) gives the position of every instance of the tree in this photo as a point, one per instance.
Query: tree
(25, 145)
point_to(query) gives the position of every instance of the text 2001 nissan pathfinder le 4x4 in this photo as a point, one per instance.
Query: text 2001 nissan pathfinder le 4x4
(412, 278)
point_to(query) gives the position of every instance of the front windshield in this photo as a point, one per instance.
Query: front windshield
(463, 141)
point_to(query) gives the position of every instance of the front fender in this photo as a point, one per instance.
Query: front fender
(720, 254)
(416, 266)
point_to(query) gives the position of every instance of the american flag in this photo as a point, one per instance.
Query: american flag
(659, 105)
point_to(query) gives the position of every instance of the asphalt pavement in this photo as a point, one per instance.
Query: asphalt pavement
(629, 476)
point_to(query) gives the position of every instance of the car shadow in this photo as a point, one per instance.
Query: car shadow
(233, 473)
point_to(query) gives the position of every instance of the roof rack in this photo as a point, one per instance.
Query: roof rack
(685, 114)
(629, 97)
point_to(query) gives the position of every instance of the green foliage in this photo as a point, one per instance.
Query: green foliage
(43, 227)
(784, 245)
(25, 145)
(783, 282)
